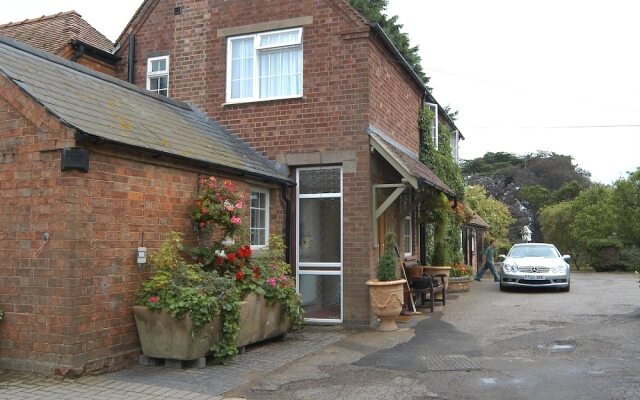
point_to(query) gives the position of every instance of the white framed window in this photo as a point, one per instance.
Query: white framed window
(158, 75)
(264, 66)
(434, 123)
(408, 236)
(259, 218)
(455, 139)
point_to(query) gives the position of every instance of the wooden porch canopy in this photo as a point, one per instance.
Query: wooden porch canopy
(415, 174)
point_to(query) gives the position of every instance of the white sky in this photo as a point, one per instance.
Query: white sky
(507, 66)
(510, 66)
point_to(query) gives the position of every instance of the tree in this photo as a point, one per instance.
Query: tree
(626, 198)
(527, 183)
(570, 225)
(373, 10)
(494, 212)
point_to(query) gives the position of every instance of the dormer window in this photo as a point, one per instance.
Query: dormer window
(264, 66)
(158, 75)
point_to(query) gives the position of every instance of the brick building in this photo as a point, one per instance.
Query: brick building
(320, 90)
(90, 168)
(67, 35)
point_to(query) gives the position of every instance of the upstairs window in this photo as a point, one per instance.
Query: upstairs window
(158, 75)
(259, 219)
(433, 129)
(455, 140)
(264, 66)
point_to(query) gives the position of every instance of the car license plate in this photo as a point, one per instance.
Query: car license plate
(534, 277)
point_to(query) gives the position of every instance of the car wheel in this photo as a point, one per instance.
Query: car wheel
(566, 289)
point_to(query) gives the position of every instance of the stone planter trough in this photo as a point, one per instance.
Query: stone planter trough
(162, 336)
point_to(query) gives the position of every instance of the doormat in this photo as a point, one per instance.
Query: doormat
(448, 363)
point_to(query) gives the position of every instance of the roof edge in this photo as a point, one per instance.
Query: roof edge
(88, 71)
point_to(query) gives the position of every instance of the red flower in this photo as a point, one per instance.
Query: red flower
(219, 260)
(256, 272)
(239, 275)
(154, 299)
(244, 251)
(231, 257)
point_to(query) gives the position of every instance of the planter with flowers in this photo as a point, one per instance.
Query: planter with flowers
(215, 298)
(459, 279)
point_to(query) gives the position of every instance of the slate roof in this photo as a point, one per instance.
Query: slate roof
(408, 161)
(52, 32)
(105, 107)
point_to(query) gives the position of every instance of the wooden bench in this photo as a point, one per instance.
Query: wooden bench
(424, 287)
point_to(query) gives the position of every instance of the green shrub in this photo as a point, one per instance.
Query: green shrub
(604, 254)
(387, 263)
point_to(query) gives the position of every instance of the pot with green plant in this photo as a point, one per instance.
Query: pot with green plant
(386, 295)
(459, 279)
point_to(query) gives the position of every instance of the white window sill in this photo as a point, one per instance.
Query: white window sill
(234, 102)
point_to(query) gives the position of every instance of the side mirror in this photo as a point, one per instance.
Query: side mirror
(501, 257)
(566, 257)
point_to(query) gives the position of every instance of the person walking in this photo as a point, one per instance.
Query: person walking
(489, 252)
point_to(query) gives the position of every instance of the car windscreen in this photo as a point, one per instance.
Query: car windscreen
(533, 251)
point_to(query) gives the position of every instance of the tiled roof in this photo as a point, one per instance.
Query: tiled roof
(476, 219)
(116, 111)
(52, 32)
(409, 162)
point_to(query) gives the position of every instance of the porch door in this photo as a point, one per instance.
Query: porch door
(319, 242)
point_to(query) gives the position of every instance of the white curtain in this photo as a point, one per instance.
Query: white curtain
(242, 68)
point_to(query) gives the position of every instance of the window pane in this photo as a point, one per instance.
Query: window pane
(241, 68)
(153, 84)
(326, 180)
(279, 39)
(320, 224)
(320, 296)
(280, 73)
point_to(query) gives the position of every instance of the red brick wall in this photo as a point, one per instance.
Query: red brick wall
(349, 83)
(68, 307)
(395, 99)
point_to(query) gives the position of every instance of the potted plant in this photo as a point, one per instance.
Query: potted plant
(459, 278)
(386, 295)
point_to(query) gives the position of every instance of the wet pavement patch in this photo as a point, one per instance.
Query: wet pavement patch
(436, 346)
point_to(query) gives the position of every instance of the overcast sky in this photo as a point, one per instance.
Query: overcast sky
(551, 75)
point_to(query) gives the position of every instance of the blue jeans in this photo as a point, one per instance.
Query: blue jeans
(484, 269)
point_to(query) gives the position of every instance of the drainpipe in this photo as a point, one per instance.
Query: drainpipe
(287, 222)
(132, 58)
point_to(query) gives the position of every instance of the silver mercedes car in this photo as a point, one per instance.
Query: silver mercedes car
(535, 265)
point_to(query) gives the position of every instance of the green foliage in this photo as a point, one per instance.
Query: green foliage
(626, 197)
(1, 314)
(604, 254)
(490, 163)
(571, 224)
(275, 282)
(179, 287)
(440, 160)
(373, 11)
(460, 270)
(387, 263)
(492, 211)
(441, 255)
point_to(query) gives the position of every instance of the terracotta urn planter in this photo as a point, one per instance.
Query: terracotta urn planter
(386, 300)
(459, 284)
(163, 336)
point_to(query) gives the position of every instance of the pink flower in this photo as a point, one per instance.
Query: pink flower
(154, 299)
(272, 281)
(239, 204)
(235, 220)
(229, 207)
(283, 279)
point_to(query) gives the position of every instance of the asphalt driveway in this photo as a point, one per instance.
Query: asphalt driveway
(484, 344)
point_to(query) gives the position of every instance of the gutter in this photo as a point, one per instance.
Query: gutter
(94, 139)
